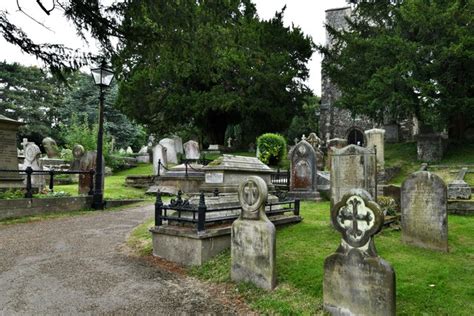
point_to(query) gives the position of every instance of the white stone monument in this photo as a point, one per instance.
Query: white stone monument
(375, 138)
(191, 150)
(32, 156)
(178, 144)
(171, 153)
(159, 155)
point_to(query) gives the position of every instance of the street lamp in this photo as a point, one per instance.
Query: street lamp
(103, 78)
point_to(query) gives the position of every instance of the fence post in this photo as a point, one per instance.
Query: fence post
(29, 191)
(201, 213)
(159, 167)
(297, 207)
(158, 209)
(186, 166)
(51, 180)
(91, 182)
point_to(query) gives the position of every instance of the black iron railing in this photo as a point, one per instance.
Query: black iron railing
(29, 172)
(187, 165)
(199, 213)
(281, 179)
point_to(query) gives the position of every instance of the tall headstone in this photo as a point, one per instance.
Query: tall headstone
(375, 139)
(458, 188)
(159, 155)
(191, 150)
(356, 280)
(8, 153)
(170, 146)
(253, 237)
(316, 142)
(303, 171)
(424, 211)
(88, 162)
(50, 147)
(178, 144)
(353, 167)
(32, 159)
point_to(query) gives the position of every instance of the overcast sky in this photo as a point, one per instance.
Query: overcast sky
(307, 14)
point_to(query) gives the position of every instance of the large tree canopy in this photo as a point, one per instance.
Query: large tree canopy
(406, 58)
(212, 64)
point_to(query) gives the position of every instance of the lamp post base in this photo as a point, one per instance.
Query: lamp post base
(98, 201)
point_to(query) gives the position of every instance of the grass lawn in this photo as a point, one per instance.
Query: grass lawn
(115, 184)
(428, 282)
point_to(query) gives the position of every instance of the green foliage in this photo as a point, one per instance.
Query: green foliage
(406, 58)
(12, 194)
(388, 205)
(218, 65)
(271, 148)
(306, 121)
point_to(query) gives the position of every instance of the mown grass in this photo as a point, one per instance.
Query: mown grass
(114, 187)
(428, 282)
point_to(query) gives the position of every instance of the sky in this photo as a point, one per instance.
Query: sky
(309, 15)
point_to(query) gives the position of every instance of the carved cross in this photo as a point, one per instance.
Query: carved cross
(250, 193)
(355, 217)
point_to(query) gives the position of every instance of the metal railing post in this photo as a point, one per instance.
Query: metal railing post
(186, 167)
(202, 208)
(158, 209)
(91, 182)
(51, 180)
(159, 167)
(297, 207)
(29, 189)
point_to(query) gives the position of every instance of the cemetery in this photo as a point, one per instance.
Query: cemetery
(196, 171)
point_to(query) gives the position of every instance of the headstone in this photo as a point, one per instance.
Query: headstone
(424, 211)
(459, 189)
(171, 154)
(8, 153)
(159, 155)
(303, 171)
(253, 237)
(50, 147)
(332, 144)
(77, 153)
(191, 149)
(229, 142)
(356, 280)
(431, 146)
(316, 142)
(32, 156)
(88, 162)
(375, 139)
(353, 167)
(178, 144)
(129, 150)
(392, 133)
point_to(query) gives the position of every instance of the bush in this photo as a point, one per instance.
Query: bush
(388, 205)
(271, 149)
(12, 194)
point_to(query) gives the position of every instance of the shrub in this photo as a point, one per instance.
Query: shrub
(388, 205)
(271, 148)
(12, 194)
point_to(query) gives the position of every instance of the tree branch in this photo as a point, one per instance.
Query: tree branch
(32, 18)
(44, 9)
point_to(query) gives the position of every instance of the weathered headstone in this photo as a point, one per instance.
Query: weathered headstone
(333, 144)
(191, 149)
(375, 139)
(315, 141)
(431, 146)
(170, 145)
(303, 173)
(32, 159)
(459, 189)
(159, 155)
(356, 280)
(129, 150)
(253, 237)
(50, 147)
(178, 144)
(8, 153)
(353, 167)
(77, 153)
(424, 211)
(88, 162)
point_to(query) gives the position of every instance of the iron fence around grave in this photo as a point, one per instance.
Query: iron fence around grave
(281, 179)
(187, 165)
(199, 219)
(29, 172)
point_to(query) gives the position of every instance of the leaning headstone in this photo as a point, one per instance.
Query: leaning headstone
(353, 167)
(356, 280)
(375, 139)
(191, 149)
(459, 189)
(171, 154)
(178, 144)
(253, 237)
(50, 147)
(32, 159)
(424, 211)
(159, 155)
(303, 173)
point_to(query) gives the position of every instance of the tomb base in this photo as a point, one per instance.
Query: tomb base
(305, 195)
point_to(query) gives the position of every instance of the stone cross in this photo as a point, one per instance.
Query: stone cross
(253, 196)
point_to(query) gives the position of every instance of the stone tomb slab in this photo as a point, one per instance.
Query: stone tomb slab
(424, 211)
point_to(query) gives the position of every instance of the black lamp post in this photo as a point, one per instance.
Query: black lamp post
(102, 77)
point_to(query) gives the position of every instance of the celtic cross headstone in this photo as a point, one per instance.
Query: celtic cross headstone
(253, 237)
(356, 280)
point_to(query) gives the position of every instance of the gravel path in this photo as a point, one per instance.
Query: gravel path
(76, 265)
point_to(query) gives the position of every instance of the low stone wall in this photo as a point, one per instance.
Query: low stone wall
(461, 207)
(28, 207)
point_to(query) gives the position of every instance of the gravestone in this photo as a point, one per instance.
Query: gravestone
(424, 211)
(8, 153)
(375, 139)
(356, 280)
(459, 189)
(50, 147)
(303, 173)
(143, 155)
(159, 154)
(178, 144)
(191, 150)
(129, 150)
(88, 162)
(316, 142)
(77, 153)
(353, 167)
(253, 237)
(171, 154)
(333, 144)
(430, 147)
(32, 159)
